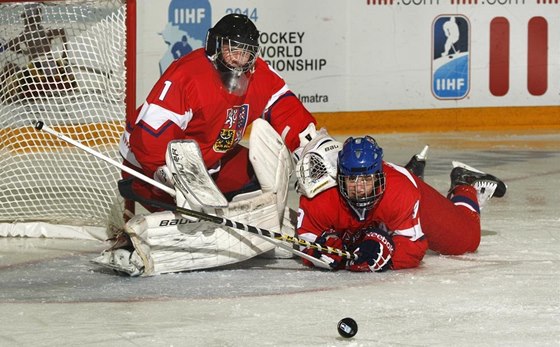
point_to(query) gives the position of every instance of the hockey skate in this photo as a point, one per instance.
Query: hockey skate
(487, 186)
(417, 163)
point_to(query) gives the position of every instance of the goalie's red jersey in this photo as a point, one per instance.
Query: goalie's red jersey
(190, 102)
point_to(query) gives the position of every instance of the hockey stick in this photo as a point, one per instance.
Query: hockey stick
(128, 193)
(125, 188)
(39, 125)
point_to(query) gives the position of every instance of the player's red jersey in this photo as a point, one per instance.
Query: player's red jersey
(190, 102)
(396, 212)
(414, 213)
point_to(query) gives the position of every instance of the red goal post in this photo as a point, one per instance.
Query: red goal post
(71, 64)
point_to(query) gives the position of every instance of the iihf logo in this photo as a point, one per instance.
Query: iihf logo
(188, 22)
(450, 57)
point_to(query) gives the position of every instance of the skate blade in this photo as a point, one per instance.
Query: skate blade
(465, 166)
(424, 154)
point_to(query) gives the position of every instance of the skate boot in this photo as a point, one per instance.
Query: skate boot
(487, 186)
(417, 163)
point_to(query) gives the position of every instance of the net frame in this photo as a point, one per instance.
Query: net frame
(46, 186)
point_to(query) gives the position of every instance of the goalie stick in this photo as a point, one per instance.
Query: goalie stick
(39, 125)
(128, 193)
(125, 188)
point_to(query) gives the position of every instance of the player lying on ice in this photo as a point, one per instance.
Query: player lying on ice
(186, 135)
(387, 217)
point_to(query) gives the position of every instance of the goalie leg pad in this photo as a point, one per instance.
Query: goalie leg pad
(273, 167)
(165, 242)
(288, 228)
(271, 161)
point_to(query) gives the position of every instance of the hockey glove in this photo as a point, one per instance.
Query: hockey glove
(373, 253)
(327, 239)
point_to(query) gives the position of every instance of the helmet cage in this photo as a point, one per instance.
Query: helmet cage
(362, 191)
(235, 27)
(234, 62)
(361, 180)
(233, 47)
(234, 56)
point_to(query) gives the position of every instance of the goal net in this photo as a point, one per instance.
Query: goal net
(64, 63)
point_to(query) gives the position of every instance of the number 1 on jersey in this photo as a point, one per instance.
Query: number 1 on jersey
(165, 90)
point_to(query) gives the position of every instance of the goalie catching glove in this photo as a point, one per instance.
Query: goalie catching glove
(327, 239)
(373, 253)
(316, 167)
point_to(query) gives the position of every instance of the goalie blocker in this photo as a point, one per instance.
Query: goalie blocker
(165, 242)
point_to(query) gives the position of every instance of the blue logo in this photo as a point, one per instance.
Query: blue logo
(188, 22)
(450, 57)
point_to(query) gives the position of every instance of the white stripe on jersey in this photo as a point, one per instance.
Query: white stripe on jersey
(309, 237)
(465, 205)
(416, 231)
(155, 116)
(276, 96)
(403, 171)
(124, 149)
(413, 233)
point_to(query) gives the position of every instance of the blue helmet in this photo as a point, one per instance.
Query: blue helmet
(361, 180)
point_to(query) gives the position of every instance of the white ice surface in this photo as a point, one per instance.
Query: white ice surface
(505, 294)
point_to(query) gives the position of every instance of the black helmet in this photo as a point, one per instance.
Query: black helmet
(233, 46)
(235, 27)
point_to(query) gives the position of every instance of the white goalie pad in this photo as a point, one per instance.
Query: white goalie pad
(165, 242)
(272, 163)
(317, 168)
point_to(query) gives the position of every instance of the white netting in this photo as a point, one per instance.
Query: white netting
(62, 62)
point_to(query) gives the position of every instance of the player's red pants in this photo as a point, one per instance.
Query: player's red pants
(451, 227)
(235, 175)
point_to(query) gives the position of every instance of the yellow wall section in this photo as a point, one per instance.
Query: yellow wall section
(439, 120)
(30, 139)
(366, 122)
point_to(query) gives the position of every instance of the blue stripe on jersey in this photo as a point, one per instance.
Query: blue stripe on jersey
(150, 131)
(268, 114)
(464, 200)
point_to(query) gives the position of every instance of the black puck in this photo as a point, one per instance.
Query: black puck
(347, 327)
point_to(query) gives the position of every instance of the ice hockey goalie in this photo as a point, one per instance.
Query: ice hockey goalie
(164, 242)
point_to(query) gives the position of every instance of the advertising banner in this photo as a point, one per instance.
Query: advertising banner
(368, 55)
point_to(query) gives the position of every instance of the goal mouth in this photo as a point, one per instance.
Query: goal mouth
(68, 63)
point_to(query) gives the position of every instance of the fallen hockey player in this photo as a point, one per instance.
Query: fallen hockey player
(386, 217)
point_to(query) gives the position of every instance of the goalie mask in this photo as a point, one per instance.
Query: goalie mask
(233, 46)
(361, 180)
